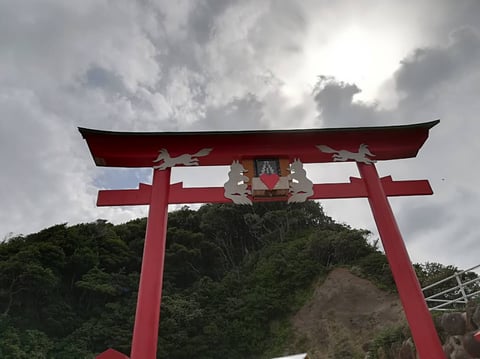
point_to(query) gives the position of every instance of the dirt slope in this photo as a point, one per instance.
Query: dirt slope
(343, 315)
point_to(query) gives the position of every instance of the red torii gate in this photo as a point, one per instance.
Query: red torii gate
(266, 155)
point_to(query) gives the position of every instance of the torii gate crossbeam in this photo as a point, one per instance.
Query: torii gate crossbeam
(272, 149)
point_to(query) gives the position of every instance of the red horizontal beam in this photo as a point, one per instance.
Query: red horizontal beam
(405, 188)
(125, 197)
(178, 194)
(131, 149)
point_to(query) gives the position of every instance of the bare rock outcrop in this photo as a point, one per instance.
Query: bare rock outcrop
(344, 311)
(460, 328)
(454, 323)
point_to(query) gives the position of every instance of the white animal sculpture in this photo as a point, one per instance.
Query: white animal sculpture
(300, 186)
(185, 159)
(344, 155)
(235, 187)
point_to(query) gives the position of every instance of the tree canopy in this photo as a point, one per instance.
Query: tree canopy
(233, 276)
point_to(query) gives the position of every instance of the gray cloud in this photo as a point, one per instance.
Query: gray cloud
(223, 65)
(240, 114)
(105, 79)
(428, 68)
(436, 81)
(336, 105)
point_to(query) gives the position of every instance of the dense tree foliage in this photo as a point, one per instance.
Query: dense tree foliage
(233, 276)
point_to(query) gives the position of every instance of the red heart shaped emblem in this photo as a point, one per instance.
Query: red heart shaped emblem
(270, 180)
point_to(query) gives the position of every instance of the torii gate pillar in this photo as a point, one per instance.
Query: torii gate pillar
(409, 290)
(147, 317)
(264, 153)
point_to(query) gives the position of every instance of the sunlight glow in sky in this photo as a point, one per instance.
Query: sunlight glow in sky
(354, 54)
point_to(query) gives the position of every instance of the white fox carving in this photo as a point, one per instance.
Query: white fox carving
(236, 186)
(185, 159)
(344, 155)
(300, 186)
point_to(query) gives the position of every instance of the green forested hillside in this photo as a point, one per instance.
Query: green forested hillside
(233, 277)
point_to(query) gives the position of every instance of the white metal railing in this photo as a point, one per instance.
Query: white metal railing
(462, 292)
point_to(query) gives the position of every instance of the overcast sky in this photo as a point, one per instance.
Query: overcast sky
(181, 65)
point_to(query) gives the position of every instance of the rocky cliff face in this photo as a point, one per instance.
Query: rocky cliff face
(343, 315)
(346, 312)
